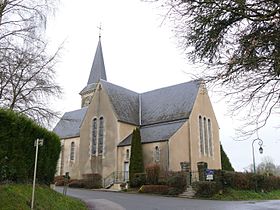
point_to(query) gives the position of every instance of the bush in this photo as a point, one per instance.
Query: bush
(92, 181)
(241, 181)
(178, 181)
(173, 191)
(136, 158)
(17, 151)
(205, 189)
(156, 189)
(138, 180)
(152, 172)
(59, 181)
(246, 181)
(76, 184)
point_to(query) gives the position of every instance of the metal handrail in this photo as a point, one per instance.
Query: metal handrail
(115, 177)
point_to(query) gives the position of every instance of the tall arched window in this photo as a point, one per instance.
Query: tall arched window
(94, 136)
(72, 151)
(201, 135)
(157, 154)
(205, 137)
(101, 135)
(210, 138)
(127, 154)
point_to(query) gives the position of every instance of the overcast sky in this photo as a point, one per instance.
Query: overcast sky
(140, 54)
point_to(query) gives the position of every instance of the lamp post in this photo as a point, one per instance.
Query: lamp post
(260, 150)
(37, 143)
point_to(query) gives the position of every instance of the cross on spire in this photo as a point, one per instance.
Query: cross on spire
(100, 28)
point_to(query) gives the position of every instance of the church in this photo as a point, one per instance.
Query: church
(177, 124)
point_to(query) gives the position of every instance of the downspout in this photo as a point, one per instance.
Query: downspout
(190, 149)
(140, 110)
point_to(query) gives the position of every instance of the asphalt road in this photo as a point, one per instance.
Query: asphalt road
(99, 200)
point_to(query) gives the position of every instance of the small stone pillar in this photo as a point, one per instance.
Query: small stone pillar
(186, 169)
(202, 166)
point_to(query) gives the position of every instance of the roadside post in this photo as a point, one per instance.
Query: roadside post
(66, 180)
(37, 143)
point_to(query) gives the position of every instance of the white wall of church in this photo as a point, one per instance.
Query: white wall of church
(68, 163)
(106, 163)
(179, 148)
(203, 108)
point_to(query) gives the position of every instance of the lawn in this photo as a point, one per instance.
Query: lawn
(232, 194)
(18, 197)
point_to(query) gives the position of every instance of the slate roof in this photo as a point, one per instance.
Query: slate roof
(69, 124)
(156, 132)
(125, 102)
(157, 107)
(169, 103)
(97, 71)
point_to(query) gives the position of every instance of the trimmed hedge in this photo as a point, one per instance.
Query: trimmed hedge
(155, 189)
(92, 181)
(205, 189)
(246, 181)
(17, 152)
(177, 181)
(152, 172)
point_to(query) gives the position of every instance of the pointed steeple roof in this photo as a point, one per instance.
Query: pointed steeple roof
(97, 71)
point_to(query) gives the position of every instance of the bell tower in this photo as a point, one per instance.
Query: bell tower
(97, 72)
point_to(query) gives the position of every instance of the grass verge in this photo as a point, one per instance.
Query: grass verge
(232, 194)
(18, 197)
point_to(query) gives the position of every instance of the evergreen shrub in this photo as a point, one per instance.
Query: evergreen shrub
(17, 152)
(138, 180)
(136, 158)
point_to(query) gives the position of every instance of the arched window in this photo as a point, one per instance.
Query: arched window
(127, 154)
(210, 138)
(101, 135)
(205, 137)
(72, 151)
(94, 136)
(157, 154)
(201, 135)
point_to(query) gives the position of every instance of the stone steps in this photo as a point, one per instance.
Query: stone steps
(189, 193)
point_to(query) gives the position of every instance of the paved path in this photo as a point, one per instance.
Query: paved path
(99, 200)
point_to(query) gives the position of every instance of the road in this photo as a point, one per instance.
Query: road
(99, 200)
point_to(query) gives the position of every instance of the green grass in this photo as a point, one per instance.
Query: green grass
(231, 194)
(18, 197)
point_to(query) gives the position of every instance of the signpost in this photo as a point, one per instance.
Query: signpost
(37, 143)
(66, 180)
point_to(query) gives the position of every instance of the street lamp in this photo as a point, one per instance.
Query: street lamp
(37, 143)
(260, 150)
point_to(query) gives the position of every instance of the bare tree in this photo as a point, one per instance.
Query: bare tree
(267, 166)
(239, 43)
(27, 74)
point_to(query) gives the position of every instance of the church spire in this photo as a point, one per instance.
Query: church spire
(97, 71)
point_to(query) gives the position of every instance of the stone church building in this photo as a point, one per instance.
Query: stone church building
(177, 124)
